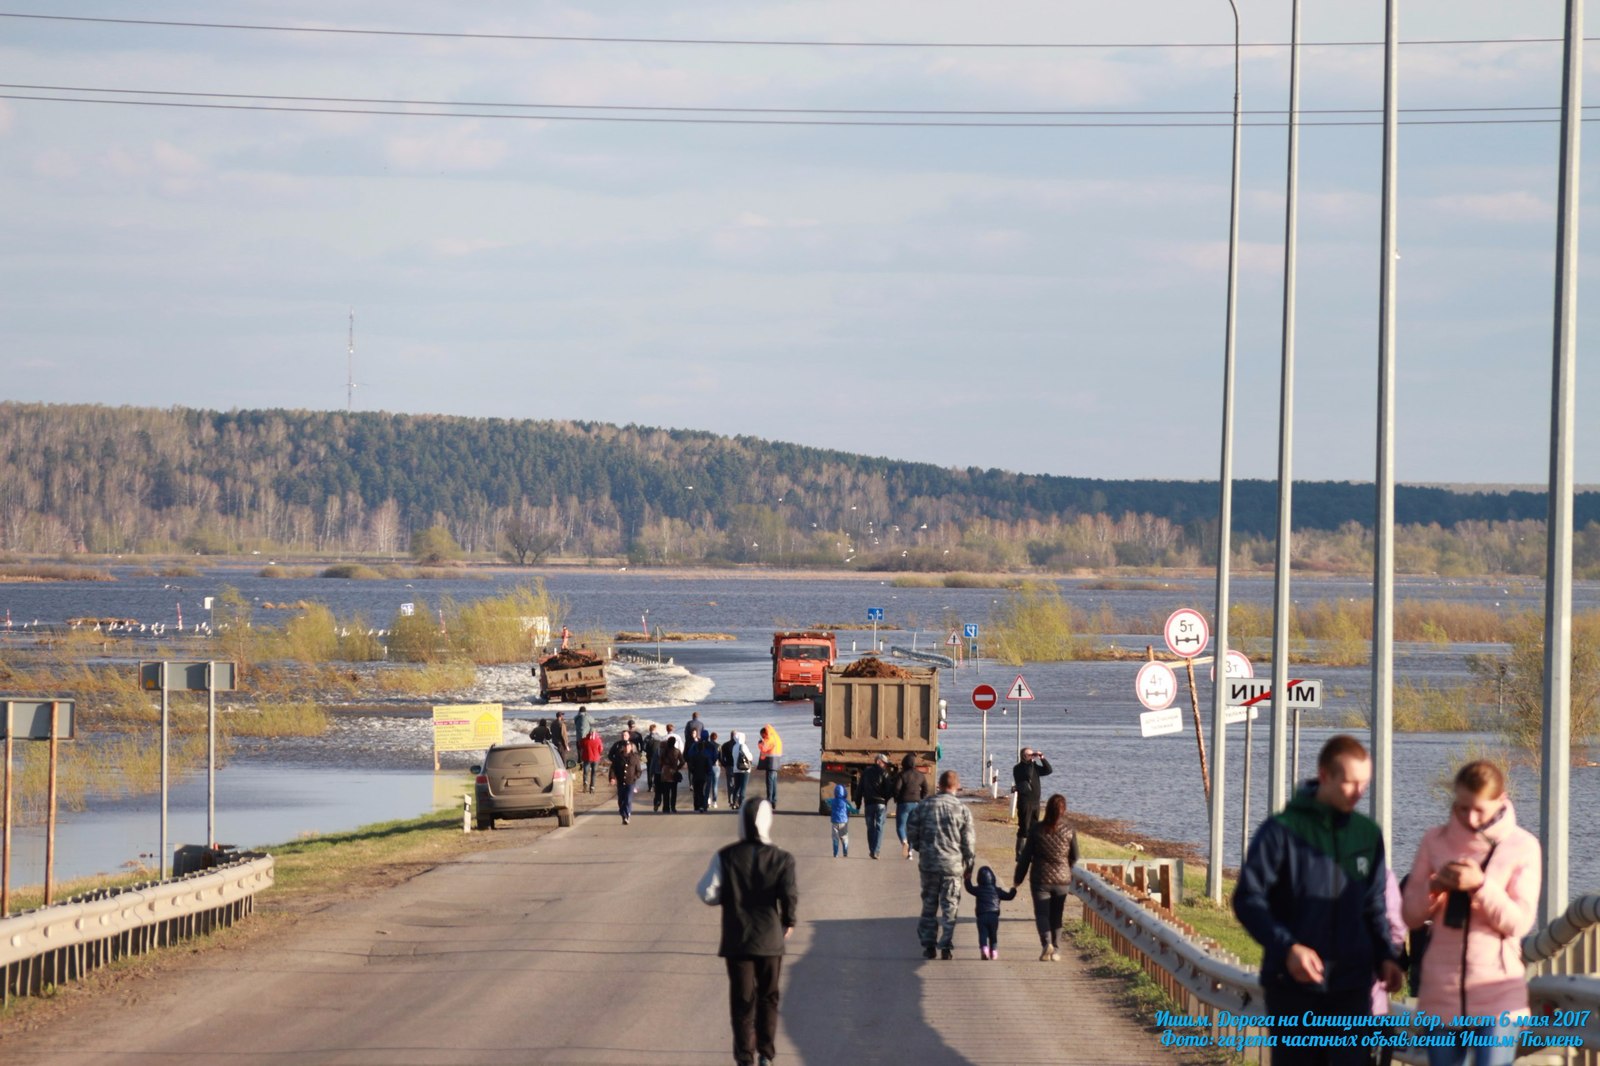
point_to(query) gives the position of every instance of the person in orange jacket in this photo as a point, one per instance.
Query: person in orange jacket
(770, 749)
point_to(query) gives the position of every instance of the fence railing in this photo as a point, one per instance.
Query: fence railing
(1207, 983)
(46, 947)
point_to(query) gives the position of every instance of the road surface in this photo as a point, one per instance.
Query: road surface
(588, 945)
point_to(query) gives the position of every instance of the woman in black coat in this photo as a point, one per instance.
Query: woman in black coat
(670, 774)
(1047, 860)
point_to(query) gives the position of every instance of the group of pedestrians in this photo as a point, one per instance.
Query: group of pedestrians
(1316, 891)
(657, 760)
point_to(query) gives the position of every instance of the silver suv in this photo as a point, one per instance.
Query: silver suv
(522, 781)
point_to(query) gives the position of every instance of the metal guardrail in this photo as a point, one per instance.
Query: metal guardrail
(62, 942)
(933, 658)
(1213, 984)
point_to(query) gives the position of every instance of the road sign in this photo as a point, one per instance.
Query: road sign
(1019, 690)
(1248, 691)
(1160, 723)
(874, 614)
(984, 696)
(970, 631)
(30, 719)
(1235, 715)
(1187, 632)
(407, 610)
(1238, 665)
(953, 640)
(1156, 686)
(186, 676)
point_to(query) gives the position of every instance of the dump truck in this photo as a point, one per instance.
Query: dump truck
(870, 707)
(798, 661)
(571, 675)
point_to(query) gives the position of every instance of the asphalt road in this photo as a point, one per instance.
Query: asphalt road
(588, 945)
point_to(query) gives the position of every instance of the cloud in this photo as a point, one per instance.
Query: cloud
(1513, 206)
(457, 149)
(1208, 257)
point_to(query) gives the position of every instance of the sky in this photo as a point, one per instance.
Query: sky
(1041, 298)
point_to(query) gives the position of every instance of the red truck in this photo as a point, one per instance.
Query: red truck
(798, 662)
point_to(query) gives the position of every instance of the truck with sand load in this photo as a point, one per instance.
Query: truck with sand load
(870, 707)
(571, 675)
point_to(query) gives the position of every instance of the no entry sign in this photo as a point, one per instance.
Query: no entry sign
(983, 697)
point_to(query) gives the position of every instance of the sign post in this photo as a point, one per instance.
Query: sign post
(983, 698)
(209, 677)
(1187, 634)
(874, 615)
(32, 719)
(970, 632)
(1019, 691)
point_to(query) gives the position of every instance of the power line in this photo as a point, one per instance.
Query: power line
(692, 120)
(401, 102)
(747, 42)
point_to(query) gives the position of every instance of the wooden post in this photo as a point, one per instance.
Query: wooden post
(1166, 886)
(50, 817)
(1199, 733)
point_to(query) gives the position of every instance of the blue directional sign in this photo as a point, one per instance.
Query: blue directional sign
(874, 614)
(970, 630)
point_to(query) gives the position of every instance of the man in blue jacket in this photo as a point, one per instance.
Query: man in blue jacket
(1312, 893)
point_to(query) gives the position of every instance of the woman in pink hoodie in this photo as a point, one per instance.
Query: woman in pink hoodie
(1476, 878)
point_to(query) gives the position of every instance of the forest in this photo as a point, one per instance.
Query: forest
(111, 480)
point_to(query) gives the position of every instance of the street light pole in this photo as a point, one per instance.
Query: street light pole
(1282, 603)
(1556, 733)
(1383, 527)
(1219, 708)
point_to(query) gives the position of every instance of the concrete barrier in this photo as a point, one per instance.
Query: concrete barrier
(46, 947)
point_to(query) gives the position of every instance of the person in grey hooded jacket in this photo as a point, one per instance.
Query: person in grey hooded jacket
(753, 882)
(941, 832)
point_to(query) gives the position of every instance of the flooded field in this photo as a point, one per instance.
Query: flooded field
(373, 765)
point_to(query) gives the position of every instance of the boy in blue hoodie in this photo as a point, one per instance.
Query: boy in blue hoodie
(988, 894)
(839, 811)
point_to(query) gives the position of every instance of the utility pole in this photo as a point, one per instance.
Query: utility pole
(1556, 735)
(350, 366)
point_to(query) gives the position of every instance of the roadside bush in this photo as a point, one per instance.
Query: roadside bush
(1035, 624)
(501, 629)
(415, 638)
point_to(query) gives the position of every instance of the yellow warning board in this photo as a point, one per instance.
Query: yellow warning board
(466, 726)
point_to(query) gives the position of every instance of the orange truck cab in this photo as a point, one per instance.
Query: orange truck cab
(798, 663)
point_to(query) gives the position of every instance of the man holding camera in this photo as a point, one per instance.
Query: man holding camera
(1312, 892)
(1025, 777)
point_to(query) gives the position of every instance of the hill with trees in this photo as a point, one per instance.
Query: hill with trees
(81, 478)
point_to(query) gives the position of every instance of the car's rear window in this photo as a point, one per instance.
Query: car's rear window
(520, 755)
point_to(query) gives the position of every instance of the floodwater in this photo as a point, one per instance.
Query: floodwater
(371, 767)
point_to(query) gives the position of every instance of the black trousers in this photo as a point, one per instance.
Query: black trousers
(753, 1005)
(1027, 818)
(1284, 1002)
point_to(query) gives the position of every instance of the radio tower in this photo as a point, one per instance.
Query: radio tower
(350, 366)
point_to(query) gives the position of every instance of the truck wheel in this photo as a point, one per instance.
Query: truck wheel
(564, 817)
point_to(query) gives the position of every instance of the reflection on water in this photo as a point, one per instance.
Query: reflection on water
(376, 767)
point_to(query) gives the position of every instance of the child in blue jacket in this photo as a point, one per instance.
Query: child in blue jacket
(988, 894)
(839, 811)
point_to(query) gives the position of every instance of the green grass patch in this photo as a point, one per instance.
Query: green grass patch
(299, 718)
(325, 861)
(352, 572)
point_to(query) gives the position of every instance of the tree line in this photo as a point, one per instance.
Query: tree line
(86, 478)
